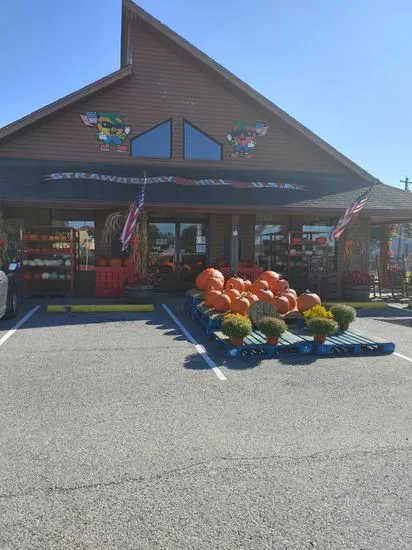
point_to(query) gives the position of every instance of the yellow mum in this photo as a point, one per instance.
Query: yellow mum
(318, 311)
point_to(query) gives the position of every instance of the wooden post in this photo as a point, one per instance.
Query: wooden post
(384, 254)
(234, 247)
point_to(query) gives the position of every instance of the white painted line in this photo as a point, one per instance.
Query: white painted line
(18, 325)
(400, 307)
(199, 348)
(402, 356)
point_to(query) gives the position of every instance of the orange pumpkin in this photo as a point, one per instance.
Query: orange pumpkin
(210, 297)
(44, 237)
(259, 285)
(281, 286)
(250, 297)
(169, 266)
(33, 237)
(271, 277)
(115, 262)
(240, 305)
(204, 276)
(102, 261)
(235, 282)
(307, 300)
(232, 292)
(291, 291)
(291, 299)
(222, 303)
(214, 282)
(264, 295)
(247, 285)
(281, 303)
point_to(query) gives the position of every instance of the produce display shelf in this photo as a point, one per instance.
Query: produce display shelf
(39, 247)
(51, 253)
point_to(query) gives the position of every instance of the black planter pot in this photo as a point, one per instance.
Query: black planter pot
(139, 294)
(356, 293)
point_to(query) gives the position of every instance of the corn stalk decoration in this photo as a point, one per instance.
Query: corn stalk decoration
(139, 248)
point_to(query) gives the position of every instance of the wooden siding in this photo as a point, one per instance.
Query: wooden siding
(165, 85)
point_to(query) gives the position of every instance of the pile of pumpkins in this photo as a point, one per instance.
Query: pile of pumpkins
(237, 295)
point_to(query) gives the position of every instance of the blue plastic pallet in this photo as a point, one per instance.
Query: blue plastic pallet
(189, 306)
(349, 342)
(255, 344)
(210, 321)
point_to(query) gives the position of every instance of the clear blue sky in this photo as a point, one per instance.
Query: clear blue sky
(342, 68)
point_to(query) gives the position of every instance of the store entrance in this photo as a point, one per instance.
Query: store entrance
(177, 250)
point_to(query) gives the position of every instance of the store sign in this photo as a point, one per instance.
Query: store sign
(172, 179)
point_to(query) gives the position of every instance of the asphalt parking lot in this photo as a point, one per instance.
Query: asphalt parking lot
(116, 433)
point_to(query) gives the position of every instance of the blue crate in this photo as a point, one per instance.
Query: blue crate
(209, 321)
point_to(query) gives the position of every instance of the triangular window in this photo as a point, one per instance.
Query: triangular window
(156, 142)
(199, 146)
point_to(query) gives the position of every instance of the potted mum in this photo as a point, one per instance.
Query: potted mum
(272, 328)
(321, 328)
(344, 315)
(357, 285)
(237, 327)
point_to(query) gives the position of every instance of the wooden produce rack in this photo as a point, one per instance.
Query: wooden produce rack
(48, 260)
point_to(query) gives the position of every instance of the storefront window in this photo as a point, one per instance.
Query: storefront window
(156, 142)
(198, 145)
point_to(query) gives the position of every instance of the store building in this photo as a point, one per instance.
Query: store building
(236, 172)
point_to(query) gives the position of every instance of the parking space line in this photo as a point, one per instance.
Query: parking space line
(402, 356)
(18, 325)
(199, 348)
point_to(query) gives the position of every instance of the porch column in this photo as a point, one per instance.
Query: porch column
(234, 243)
(384, 254)
(99, 219)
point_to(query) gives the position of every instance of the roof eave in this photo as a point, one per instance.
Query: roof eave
(25, 123)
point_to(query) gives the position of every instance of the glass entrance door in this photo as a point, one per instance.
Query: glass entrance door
(162, 247)
(177, 248)
(192, 250)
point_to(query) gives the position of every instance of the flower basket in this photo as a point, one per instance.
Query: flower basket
(141, 291)
(357, 285)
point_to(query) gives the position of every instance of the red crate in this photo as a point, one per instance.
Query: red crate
(110, 281)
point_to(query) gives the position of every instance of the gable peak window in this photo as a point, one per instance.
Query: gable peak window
(197, 145)
(155, 142)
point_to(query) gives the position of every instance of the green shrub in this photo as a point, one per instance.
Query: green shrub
(322, 326)
(271, 326)
(236, 326)
(343, 313)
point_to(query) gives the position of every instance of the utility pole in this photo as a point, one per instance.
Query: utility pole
(406, 182)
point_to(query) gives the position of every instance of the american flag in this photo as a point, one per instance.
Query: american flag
(351, 211)
(133, 216)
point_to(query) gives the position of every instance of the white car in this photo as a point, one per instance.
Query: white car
(8, 296)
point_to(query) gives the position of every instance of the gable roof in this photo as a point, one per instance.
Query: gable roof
(131, 11)
(41, 115)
